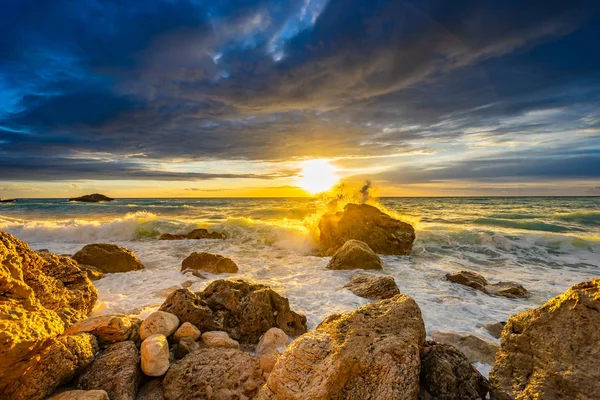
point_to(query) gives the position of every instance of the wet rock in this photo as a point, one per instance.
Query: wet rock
(92, 198)
(208, 262)
(244, 310)
(371, 353)
(93, 273)
(108, 258)
(115, 370)
(167, 291)
(195, 234)
(159, 322)
(214, 373)
(355, 254)
(81, 395)
(187, 330)
(185, 346)
(476, 349)
(40, 294)
(155, 355)
(107, 328)
(219, 339)
(382, 233)
(511, 290)
(373, 287)
(272, 339)
(61, 360)
(495, 329)
(151, 390)
(446, 374)
(552, 352)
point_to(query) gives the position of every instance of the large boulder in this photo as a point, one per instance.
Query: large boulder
(57, 364)
(196, 234)
(447, 374)
(244, 310)
(214, 373)
(40, 295)
(116, 370)
(208, 262)
(552, 352)
(92, 198)
(512, 290)
(476, 349)
(355, 254)
(373, 287)
(107, 328)
(108, 258)
(383, 234)
(155, 355)
(371, 353)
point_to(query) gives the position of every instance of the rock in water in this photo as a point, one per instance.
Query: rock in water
(195, 234)
(447, 374)
(373, 287)
(116, 370)
(383, 234)
(56, 365)
(92, 198)
(244, 310)
(208, 262)
(355, 254)
(155, 355)
(371, 353)
(511, 290)
(108, 258)
(39, 297)
(476, 349)
(214, 373)
(552, 352)
(159, 322)
(495, 329)
(81, 395)
(107, 328)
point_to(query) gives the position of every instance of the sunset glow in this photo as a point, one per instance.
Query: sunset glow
(318, 176)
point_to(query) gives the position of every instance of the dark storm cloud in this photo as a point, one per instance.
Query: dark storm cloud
(273, 80)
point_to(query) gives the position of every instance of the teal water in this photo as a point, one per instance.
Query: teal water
(546, 244)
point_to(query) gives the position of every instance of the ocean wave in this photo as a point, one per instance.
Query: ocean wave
(590, 218)
(525, 225)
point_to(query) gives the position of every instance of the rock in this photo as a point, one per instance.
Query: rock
(40, 294)
(159, 322)
(167, 291)
(511, 290)
(552, 352)
(187, 284)
(92, 272)
(373, 287)
(151, 390)
(355, 254)
(155, 355)
(244, 310)
(213, 263)
(185, 346)
(495, 329)
(268, 359)
(61, 360)
(382, 233)
(107, 328)
(214, 373)
(115, 370)
(219, 339)
(447, 374)
(108, 258)
(187, 330)
(476, 349)
(371, 353)
(195, 234)
(92, 198)
(272, 339)
(81, 395)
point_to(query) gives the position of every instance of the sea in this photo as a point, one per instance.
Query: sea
(547, 244)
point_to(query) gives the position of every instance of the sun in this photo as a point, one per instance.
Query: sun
(317, 176)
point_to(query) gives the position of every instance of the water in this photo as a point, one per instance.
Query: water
(546, 244)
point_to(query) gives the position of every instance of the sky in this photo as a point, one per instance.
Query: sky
(195, 98)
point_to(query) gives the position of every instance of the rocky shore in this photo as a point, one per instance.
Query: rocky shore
(242, 340)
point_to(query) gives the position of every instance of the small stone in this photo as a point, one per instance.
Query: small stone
(267, 359)
(272, 339)
(187, 284)
(219, 339)
(155, 355)
(208, 262)
(107, 328)
(468, 278)
(495, 329)
(355, 254)
(159, 322)
(167, 291)
(187, 330)
(373, 287)
(81, 395)
(185, 346)
(476, 349)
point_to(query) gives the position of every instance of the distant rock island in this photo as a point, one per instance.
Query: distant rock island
(7, 200)
(92, 198)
